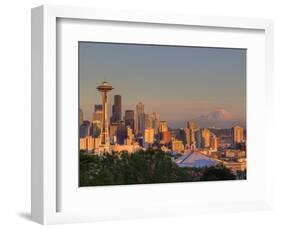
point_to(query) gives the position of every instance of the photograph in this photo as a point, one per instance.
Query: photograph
(151, 113)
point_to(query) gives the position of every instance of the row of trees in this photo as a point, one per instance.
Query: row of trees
(142, 167)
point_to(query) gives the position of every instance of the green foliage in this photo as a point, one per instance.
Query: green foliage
(217, 173)
(142, 167)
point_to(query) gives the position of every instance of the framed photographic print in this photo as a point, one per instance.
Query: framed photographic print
(139, 114)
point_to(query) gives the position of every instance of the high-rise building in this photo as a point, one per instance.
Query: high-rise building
(139, 111)
(96, 128)
(81, 117)
(85, 129)
(155, 122)
(237, 134)
(180, 135)
(113, 133)
(145, 122)
(188, 138)
(177, 146)
(130, 119)
(206, 136)
(129, 136)
(192, 133)
(98, 113)
(104, 88)
(214, 142)
(165, 137)
(121, 133)
(148, 137)
(198, 139)
(163, 126)
(90, 135)
(116, 109)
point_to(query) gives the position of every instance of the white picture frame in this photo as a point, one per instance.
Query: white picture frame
(46, 181)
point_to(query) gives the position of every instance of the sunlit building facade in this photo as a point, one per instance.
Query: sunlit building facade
(187, 138)
(206, 138)
(145, 122)
(237, 134)
(165, 137)
(163, 126)
(177, 146)
(139, 111)
(214, 142)
(129, 136)
(98, 113)
(155, 122)
(148, 137)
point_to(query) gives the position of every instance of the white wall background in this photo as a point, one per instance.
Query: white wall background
(15, 112)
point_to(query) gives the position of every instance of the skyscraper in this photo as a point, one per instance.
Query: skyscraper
(198, 139)
(165, 137)
(85, 129)
(117, 109)
(96, 128)
(129, 136)
(163, 126)
(214, 142)
(155, 122)
(113, 133)
(193, 127)
(104, 88)
(130, 118)
(148, 137)
(139, 111)
(206, 136)
(187, 137)
(97, 114)
(237, 134)
(121, 132)
(145, 122)
(180, 135)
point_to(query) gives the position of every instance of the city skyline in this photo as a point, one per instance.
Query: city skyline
(161, 114)
(175, 101)
(141, 138)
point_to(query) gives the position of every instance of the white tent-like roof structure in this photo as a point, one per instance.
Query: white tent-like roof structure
(196, 160)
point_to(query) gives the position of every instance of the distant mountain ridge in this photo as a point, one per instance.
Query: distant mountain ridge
(219, 118)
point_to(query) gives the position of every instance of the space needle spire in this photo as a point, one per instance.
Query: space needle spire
(104, 88)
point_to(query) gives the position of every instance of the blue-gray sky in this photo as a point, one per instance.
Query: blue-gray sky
(180, 83)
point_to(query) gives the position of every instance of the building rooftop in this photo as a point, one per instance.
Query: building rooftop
(197, 160)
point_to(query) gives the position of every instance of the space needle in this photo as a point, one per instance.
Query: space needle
(104, 88)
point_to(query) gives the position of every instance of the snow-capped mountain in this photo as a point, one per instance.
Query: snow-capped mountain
(217, 115)
(219, 118)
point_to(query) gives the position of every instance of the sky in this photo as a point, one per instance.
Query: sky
(178, 82)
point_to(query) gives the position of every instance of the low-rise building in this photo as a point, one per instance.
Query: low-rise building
(233, 153)
(129, 148)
